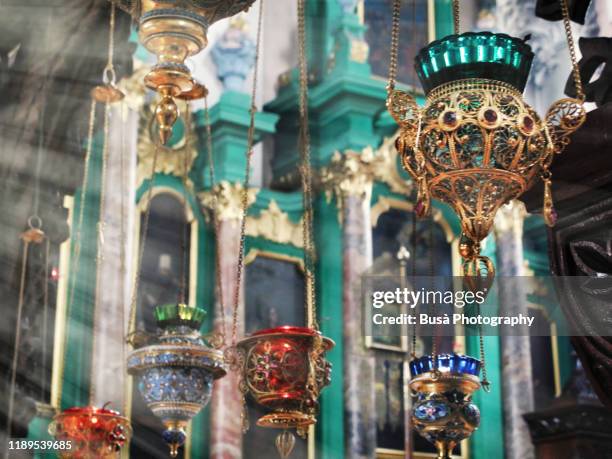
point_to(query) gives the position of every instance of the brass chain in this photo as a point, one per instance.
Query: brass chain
(122, 252)
(45, 324)
(141, 249)
(414, 274)
(306, 174)
(20, 304)
(247, 176)
(76, 255)
(99, 248)
(486, 385)
(109, 75)
(216, 222)
(456, 17)
(394, 49)
(572, 50)
(184, 271)
(432, 283)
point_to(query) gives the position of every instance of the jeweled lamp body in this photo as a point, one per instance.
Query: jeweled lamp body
(443, 412)
(175, 375)
(476, 144)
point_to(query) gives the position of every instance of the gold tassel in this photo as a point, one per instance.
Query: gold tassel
(548, 209)
(423, 204)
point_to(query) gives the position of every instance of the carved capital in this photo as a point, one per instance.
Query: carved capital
(348, 174)
(228, 199)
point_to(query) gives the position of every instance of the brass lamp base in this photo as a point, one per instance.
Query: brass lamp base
(174, 30)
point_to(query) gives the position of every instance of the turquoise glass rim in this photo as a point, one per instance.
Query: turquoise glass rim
(486, 55)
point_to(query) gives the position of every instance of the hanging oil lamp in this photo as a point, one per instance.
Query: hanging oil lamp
(443, 411)
(476, 144)
(92, 432)
(174, 30)
(175, 375)
(284, 370)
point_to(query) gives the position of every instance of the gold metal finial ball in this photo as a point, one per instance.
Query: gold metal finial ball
(466, 248)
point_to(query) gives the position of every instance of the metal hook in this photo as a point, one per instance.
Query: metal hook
(35, 222)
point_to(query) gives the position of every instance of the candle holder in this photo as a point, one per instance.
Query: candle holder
(284, 369)
(175, 375)
(443, 412)
(92, 432)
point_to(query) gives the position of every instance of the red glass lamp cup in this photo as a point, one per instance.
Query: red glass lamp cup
(284, 369)
(92, 432)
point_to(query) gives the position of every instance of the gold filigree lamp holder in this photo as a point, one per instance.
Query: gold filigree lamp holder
(476, 145)
(174, 30)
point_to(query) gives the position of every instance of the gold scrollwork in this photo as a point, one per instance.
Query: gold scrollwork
(275, 225)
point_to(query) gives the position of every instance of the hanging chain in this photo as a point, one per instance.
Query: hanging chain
(485, 383)
(99, 248)
(109, 76)
(393, 56)
(306, 174)
(182, 296)
(247, 177)
(572, 50)
(432, 280)
(456, 17)
(45, 324)
(216, 223)
(122, 253)
(83, 198)
(141, 249)
(414, 274)
(11, 404)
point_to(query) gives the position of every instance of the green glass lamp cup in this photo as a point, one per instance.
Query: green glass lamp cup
(486, 55)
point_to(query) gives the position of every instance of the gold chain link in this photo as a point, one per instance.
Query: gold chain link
(141, 249)
(306, 174)
(216, 222)
(84, 185)
(184, 272)
(572, 50)
(15, 360)
(99, 251)
(456, 17)
(247, 177)
(122, 252)
(395, 30)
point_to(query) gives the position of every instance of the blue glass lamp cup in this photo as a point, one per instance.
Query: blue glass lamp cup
(443, 412)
